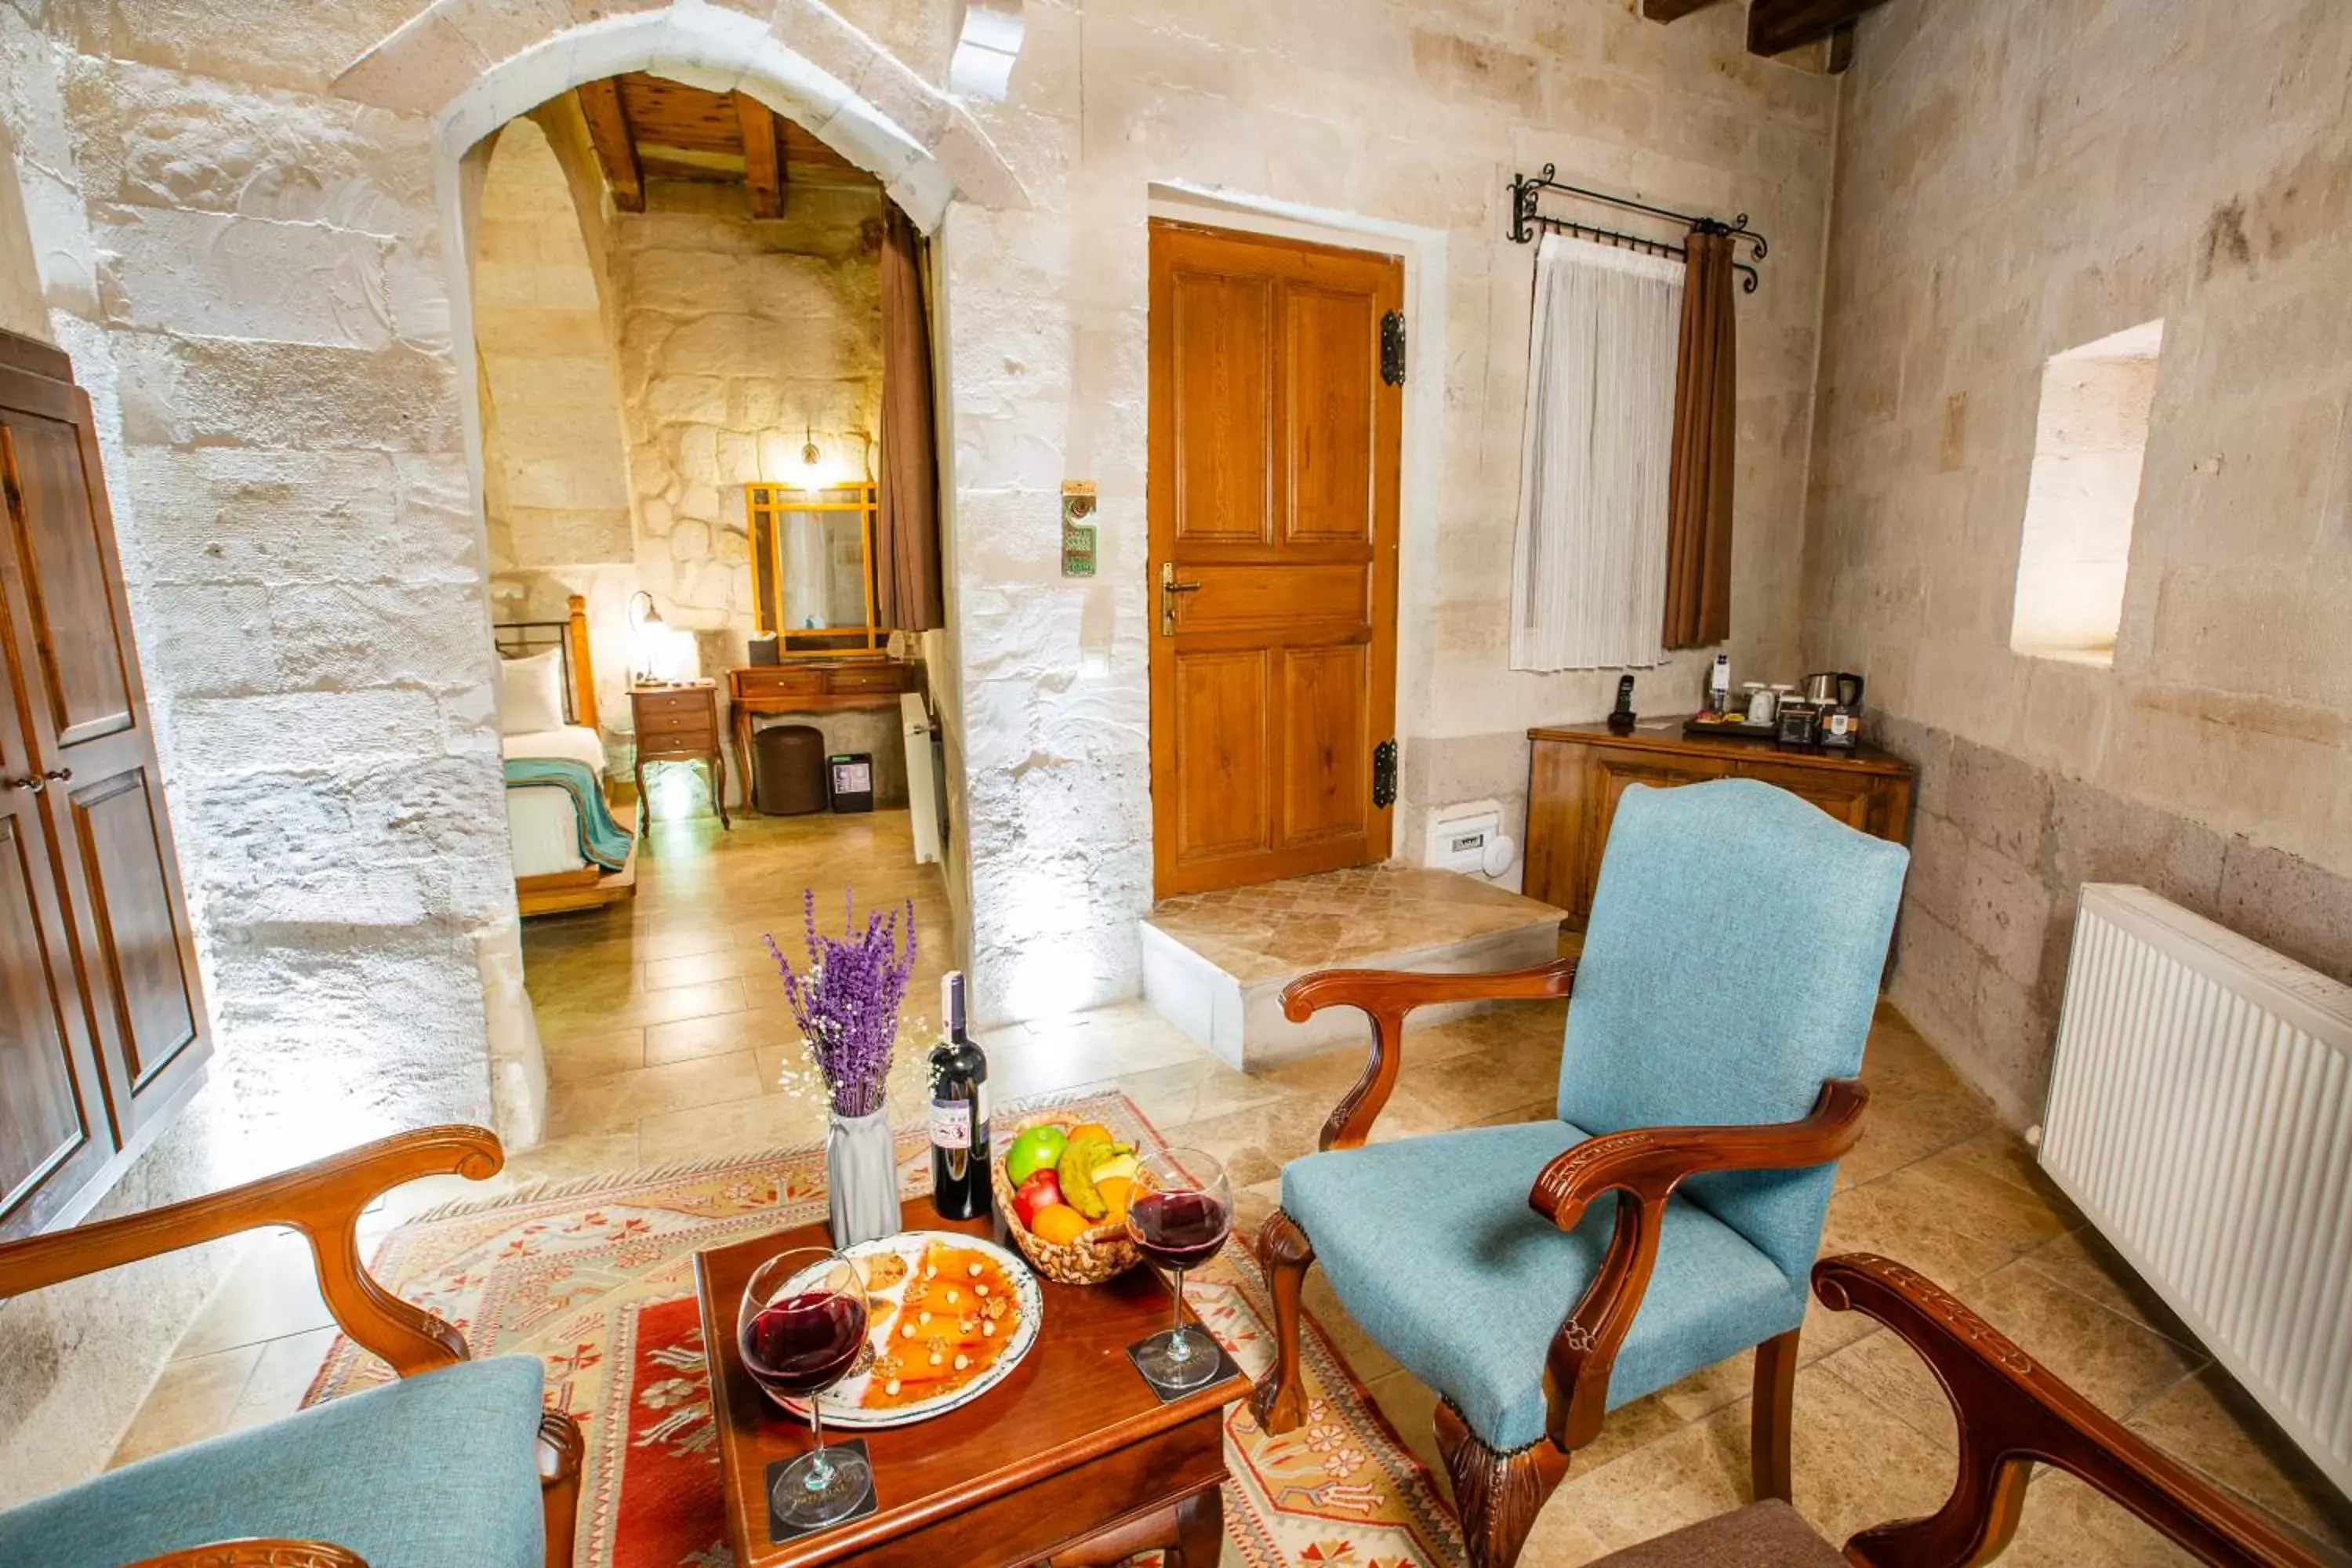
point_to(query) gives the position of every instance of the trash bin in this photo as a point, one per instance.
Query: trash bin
(852, 780)
(788, 770)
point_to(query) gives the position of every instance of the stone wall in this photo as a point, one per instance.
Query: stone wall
(2015, 180)
(740, 341)
(1371, 114)
(555, 480)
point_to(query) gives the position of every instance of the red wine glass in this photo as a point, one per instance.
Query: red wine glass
(799, 1328)
(1179, 1213)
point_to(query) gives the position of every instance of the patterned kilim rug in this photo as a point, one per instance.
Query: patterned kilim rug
(596, 1278)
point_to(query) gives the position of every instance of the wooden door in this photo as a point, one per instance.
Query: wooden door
(83, 710)
(1272, 501)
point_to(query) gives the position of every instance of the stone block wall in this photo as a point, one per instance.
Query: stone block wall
(740, 341)
(1376, 114)
(2016, 180)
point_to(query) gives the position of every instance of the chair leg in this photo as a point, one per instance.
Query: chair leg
(1285, 1254)
(1770, 1415)
(560, 1448)
(1497, 1494)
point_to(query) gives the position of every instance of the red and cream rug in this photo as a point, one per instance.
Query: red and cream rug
(596, 1278)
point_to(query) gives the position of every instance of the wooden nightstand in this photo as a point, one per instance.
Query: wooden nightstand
(678, 724)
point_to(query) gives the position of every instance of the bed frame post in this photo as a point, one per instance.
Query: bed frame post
(579, 664)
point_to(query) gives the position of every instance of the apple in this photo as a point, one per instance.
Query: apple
(1042, 1190)
(1038, 1149)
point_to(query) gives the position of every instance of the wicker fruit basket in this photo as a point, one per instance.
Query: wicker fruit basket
(1101, 1253)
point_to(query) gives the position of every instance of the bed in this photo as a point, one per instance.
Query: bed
(564, 858)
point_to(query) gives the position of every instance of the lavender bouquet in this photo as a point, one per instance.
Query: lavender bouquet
(847, 1004)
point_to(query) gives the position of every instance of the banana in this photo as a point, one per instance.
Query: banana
(1121, 1164)
(1075, 1174)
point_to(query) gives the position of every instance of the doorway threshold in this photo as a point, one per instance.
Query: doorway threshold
(1214, 963)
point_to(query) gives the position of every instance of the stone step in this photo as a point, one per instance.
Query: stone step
(1214, 964)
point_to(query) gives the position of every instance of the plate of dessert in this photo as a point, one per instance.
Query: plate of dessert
(948, 1318)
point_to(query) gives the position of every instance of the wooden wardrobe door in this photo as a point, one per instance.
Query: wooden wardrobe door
(85, 714)
(54, 1135)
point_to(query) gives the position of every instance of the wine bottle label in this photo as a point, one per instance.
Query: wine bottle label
(951, 1124)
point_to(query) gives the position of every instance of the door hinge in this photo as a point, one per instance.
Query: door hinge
(1393, 348)
(1384, 774)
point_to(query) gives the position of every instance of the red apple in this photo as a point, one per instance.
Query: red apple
(1042, 1188)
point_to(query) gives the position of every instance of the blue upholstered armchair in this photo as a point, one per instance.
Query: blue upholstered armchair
(1717, 1022)
(452, 1464)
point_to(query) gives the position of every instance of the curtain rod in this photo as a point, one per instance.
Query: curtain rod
(1527, 191)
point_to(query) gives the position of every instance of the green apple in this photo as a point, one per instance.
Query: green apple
(1039, 1149)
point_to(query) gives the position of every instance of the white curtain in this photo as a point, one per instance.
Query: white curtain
(1589, 572)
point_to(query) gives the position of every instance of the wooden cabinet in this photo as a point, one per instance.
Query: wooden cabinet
(678, 724)
(812, 686)
(103, 1015)
(1576, 775)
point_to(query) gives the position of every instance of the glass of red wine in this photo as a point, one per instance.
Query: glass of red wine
(1179, 1213)
(800, 1327)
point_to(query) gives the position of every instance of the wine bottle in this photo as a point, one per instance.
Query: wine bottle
(960, 1152)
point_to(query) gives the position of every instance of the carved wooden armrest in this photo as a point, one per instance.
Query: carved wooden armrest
(2014, 1414)
(1385, 996)
(1643, 1165)
(323, 1200)
(256, 1554)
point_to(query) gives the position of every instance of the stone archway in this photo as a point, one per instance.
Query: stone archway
(473, 65)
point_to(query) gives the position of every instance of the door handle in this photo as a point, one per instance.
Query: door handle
(1168, 588)
(33, 781)
(58, 775)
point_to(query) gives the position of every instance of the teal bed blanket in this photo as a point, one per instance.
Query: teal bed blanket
(602, 841)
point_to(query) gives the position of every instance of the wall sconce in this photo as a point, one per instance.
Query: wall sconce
(812, 463)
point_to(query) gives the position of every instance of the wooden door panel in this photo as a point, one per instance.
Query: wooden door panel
(1326, 791)
(1221, 343)
(47, 1125)
(1251, 599)
(1850, 801)
(1222, 702)
(137, 921)
(82, 646)
(1273, 507)
(1328, 415)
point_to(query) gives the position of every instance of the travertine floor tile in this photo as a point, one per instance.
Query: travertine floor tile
(664, 1024)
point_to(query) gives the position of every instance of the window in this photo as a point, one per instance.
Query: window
(812, 567)
(2089, 439)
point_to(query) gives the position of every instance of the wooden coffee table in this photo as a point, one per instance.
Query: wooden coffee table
(1071, 1460)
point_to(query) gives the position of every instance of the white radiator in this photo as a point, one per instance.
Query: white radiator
(2201, 1115)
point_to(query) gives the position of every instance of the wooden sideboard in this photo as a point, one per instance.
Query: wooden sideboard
(813, 686)
(1577, 772)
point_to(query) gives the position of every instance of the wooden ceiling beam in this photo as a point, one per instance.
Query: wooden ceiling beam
(763, 161)
(1672, 10)
(616, 147)
(1776, 27)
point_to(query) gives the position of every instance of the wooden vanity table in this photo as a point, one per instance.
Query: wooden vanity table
(1577, 772)
(830, 685)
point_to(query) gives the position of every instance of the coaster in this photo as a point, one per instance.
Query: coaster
(1226, 1367)
(778, 1530)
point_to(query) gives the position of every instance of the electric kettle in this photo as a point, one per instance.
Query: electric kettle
(1833, 689)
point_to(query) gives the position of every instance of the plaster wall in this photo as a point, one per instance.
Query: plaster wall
(2015, 180)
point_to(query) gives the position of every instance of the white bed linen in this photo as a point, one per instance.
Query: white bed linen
(542, 825)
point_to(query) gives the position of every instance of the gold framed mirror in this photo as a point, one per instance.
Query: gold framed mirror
(813, 568)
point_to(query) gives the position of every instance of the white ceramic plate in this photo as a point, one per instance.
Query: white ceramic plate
(844, 1401)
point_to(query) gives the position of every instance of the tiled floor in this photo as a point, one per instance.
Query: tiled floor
(664, 1024)
(1336, 918)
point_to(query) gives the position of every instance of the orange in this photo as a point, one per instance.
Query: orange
(1059, 1224)
(1114, 1192)
(1091, 1130)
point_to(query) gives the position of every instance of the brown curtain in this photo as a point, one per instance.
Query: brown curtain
(906, 509)
(1698, 495)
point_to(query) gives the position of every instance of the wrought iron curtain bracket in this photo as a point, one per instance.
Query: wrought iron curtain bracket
(1528, 219)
